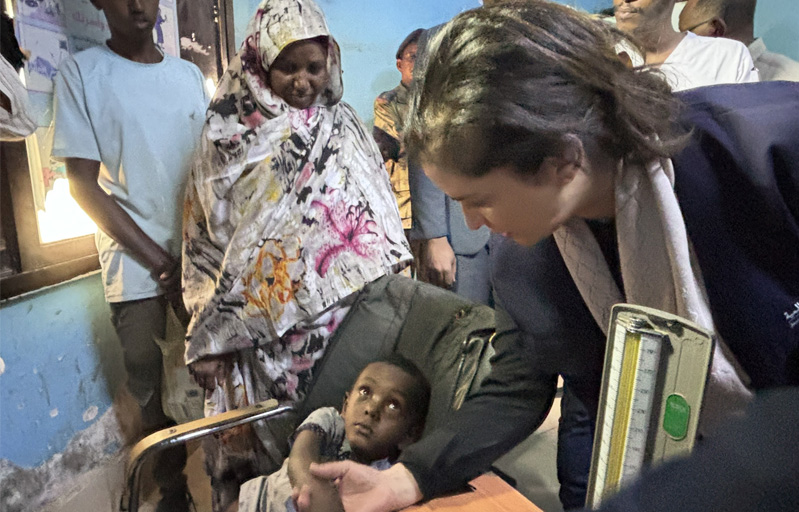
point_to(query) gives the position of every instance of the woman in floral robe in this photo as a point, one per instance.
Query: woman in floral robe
(288, 213)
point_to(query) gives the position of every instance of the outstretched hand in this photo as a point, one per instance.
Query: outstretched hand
(317, 495)
(365, 489)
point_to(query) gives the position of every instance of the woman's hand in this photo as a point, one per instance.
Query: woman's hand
(211, 371)
(317, 495)
(365, 489)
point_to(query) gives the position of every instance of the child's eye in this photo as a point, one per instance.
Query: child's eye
(363, 391)
(393, 406)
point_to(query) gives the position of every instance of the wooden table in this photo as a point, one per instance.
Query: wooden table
(490, 494)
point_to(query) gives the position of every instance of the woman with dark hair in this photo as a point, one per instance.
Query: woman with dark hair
(607, 189)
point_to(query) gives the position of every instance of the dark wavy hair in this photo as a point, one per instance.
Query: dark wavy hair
(506, 84)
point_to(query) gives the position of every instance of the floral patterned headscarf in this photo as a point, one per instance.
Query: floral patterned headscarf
(288, 211)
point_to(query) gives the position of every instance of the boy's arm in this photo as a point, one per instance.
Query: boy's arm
(307, 448)
(312, 493)
(114, 221)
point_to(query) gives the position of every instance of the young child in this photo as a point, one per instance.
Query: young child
(127, 121)
(384, 411)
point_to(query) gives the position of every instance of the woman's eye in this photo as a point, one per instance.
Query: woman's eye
(315, 68)
(393, 406)
(363, 391)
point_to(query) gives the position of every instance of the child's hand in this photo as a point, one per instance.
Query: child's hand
(317, 495)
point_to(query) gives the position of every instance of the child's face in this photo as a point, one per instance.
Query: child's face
(129, 17)
(377, 414)
(299, 74)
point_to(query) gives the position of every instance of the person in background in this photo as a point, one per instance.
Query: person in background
(687, 60)
(15, 120)
(619, 191)
(127, 121)
(450, 254)
(735, 19)
(288, 214)
(391, 108)
(384, 411)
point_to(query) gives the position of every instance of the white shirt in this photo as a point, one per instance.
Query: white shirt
(142, 122)
(698, 61)
(16, 124)
(773, 66)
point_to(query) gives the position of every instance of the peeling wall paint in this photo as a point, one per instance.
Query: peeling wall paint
(25, 489)
(62, 363)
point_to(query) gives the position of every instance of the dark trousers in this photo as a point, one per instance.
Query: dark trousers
(575, 443)
(138, 323)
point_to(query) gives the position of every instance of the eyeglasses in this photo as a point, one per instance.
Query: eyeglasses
(691, 29)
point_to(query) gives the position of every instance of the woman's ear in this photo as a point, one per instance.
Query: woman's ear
(344, 403)
(562, 168)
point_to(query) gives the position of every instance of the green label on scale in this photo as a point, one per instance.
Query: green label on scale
(675, 417)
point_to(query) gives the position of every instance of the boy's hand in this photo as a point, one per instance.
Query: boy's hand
(169, 274)
(317, 495)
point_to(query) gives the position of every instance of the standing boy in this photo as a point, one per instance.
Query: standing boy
(127, 119)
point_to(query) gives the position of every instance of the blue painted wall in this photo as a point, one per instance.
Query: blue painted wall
(777, 22)
(61, 363)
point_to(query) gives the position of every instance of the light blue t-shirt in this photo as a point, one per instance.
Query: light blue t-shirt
(143, 123)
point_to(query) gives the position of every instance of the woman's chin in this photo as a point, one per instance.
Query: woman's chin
(300, 103)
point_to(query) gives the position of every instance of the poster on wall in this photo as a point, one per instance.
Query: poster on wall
(51, 30)
(82, 20)
(165, 33)
(47, 49)
(47, 11)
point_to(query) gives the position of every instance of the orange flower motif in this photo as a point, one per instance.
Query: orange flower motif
(270, 281)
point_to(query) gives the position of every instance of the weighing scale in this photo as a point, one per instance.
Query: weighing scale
(656, 366)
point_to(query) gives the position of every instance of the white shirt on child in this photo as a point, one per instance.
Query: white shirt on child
(142, 122)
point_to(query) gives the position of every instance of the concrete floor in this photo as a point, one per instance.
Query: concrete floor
(531, 464)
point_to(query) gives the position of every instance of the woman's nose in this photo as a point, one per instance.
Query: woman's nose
(301, 81)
